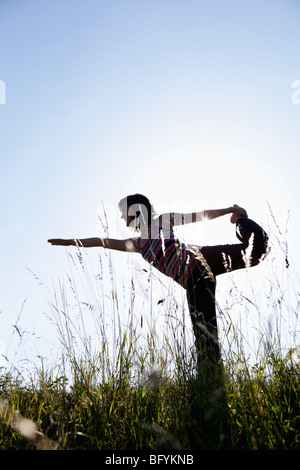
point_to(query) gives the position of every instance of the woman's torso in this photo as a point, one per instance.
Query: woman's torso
(166, 253)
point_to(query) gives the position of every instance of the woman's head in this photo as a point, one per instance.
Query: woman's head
(137, 211)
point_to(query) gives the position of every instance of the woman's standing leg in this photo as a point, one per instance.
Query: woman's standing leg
(201, 285)
(201, 288)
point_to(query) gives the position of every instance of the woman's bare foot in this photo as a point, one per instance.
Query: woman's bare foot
(237, 214)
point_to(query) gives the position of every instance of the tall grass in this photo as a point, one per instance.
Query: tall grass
(126, 375)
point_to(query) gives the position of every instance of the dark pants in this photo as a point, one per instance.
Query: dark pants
(215, 260)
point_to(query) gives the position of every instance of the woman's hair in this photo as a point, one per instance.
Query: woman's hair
(139, 207)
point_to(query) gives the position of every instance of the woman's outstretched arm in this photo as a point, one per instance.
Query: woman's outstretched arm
(129, 244)
(178, 218)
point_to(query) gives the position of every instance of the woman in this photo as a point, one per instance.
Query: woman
(194, 268)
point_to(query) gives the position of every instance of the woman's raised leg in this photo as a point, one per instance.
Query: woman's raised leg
(250, 252)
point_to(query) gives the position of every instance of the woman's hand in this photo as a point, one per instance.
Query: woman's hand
(60, 241)
(237, 213)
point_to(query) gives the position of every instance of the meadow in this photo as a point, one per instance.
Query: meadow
(126, 376)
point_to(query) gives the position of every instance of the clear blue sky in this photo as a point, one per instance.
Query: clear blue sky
(190, 102)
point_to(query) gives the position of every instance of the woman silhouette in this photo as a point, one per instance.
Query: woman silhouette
(194, 268)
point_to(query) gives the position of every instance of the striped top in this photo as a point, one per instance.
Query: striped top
(168, 255)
